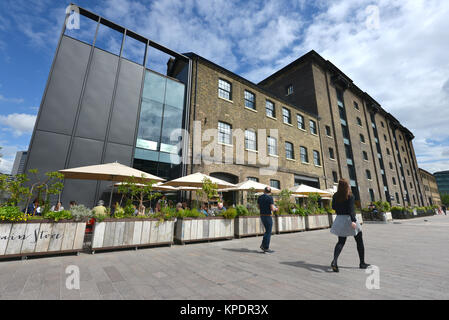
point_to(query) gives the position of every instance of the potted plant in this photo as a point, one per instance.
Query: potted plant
(192, 225)
(291, 217)
(317, 217)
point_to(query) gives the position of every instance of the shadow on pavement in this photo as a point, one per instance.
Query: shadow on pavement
(243, 250)
(313, 267)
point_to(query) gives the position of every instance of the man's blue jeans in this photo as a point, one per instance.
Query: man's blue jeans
(268, 224)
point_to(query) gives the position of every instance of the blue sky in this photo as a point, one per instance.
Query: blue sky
(401, 59)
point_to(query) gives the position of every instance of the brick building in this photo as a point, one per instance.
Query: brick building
(372, 149)
(430, 187)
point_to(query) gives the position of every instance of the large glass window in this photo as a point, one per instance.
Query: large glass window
(269, 108)
(162, 103)
(224, 133)
(250, 100)
(275, 184)
(289, 154)
(250, 140)
(224, 89)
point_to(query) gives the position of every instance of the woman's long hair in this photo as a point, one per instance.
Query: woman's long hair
(343, 192)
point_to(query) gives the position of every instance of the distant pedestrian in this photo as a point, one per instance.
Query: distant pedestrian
(346, 223)
(444, 209)
(266, 207)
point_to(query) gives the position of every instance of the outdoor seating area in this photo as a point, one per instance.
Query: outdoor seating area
(146, 211)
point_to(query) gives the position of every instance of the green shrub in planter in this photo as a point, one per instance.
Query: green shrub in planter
(11, 213)
(242, 210)
(58, 215)
(187, 213)
(230, 213)
(299, 210)
(80, 212)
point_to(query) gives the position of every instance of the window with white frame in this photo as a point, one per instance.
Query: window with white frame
(312, 127)
(224, 89)
(250, 139)
(286, 116)
(224, 133)
(304, 155)
(272, 146)
(300, 121)
(316, 158)
(289, 154)
(269, 108)
(250, 100)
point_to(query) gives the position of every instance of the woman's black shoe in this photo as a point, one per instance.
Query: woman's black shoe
(364, 265)
(334, 267)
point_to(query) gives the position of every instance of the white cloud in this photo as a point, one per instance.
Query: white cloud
(18, 123)
(12, 100)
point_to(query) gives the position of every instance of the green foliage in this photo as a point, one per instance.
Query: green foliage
(190, 213)
(80, 212)
(15, 188)
(51, 184)
(445, 199)
(242, 210)
(382, 206)
(129, 210)
(312, 204)
(230, 213)
(58, 215)
(119, 212)
(285, 204)
(299, 210)
(329, 210)
(136, 189)
(208, 189)
(12, 213)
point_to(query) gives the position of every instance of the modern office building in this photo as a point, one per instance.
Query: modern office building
(442, 179)
(19, 163)
(361, 141)
(103, 104)
(430, 187)
(307, 123)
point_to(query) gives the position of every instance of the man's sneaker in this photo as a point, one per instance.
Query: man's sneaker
(269, 251)
(263, 249)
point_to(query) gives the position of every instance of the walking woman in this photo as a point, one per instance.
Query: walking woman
(345, 223)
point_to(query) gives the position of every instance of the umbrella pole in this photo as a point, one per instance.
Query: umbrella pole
(112, 191)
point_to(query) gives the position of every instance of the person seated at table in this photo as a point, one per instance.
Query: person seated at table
(33, 208)
(184, 205)
(179, 206)
(72, 204)
(204, 209)
(221, 208)
(100, 209)
(57, 208)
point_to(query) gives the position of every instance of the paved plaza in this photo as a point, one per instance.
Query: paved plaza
(412, 257)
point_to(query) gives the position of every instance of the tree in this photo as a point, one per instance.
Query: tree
(51, 184)
(209, 189)
(15, 188)
(445, 199)
(143, 192)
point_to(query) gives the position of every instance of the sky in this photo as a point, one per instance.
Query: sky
(396, 51)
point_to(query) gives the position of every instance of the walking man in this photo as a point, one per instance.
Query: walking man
(266, 206)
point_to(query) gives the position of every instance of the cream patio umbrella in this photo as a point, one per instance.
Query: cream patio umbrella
(196, 180)
(248, 185)
(304, 190)
(109, 172)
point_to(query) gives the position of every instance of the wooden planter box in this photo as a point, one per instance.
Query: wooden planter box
(201, 229)
(291, 223)
(40, 237)
(246, 226)
(131, 232)
(319, 221)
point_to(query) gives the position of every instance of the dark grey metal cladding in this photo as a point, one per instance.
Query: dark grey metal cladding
(49, 151)
(96, 104)
(61, 101)
(81, 191)
(126, 104)
(85, 152)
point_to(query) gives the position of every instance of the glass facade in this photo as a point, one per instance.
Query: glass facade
(159, 135)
